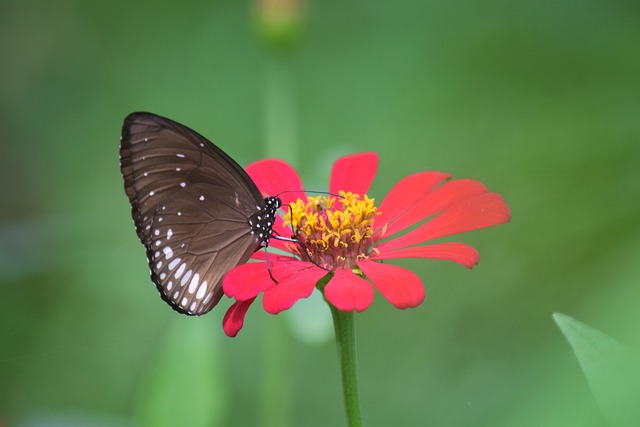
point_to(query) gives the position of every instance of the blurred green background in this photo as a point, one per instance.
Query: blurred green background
(539, 100)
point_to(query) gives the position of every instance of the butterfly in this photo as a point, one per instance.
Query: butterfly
(196, 211)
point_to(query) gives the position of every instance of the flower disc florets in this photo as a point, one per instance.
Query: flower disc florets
(334, 232)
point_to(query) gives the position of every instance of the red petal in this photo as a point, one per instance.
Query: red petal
(406, 193)
(246, 281)
(442, 197)
(234, 318)
(456, 252)
(298, 284)
(274, 176)
(400, 286)
(353, 173)
(347, 292)
(481, 211)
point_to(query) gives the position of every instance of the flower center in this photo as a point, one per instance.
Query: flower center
(334, 232)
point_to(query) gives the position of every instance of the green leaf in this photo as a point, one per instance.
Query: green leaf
(610, 370)
(184, 384)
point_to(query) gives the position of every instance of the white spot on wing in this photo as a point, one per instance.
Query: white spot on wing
(181, 270)
(208, 298)
(169, 233)
(202, 289)
(168, 253)
(186, 277)
(201, 198)
(194, 283)
(173, 263)
(184, 302)
(180, 155)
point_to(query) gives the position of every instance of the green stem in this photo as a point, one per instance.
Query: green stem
(344, 324)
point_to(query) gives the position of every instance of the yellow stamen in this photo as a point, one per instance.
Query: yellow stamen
(335, 232)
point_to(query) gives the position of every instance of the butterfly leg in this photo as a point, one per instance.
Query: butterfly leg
(266, 254)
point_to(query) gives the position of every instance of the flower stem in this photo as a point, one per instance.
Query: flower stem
(344, 324)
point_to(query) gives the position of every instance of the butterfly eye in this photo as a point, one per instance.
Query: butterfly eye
(196, 211)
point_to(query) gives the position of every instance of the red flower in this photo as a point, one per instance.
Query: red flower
(348, 237)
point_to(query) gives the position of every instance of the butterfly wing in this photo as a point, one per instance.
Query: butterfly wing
(190, 203)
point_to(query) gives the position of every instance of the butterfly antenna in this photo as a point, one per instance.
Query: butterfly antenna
(328, 193)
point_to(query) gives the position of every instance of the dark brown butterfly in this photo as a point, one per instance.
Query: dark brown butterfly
(196, 211)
